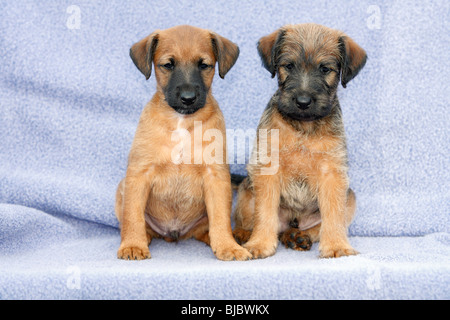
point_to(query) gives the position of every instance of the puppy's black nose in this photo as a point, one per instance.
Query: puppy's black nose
(188, 97)
(303, 102)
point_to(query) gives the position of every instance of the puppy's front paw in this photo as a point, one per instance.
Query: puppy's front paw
(232, 252)
(261, 248)
(336, 251)
(133, 253)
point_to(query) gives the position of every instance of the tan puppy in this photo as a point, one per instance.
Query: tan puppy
(307, 198)
(169, 191)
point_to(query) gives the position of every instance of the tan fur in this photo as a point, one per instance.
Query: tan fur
(311, 181)
(164, 193)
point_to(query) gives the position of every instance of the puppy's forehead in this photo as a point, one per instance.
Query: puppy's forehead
(185, 43)
(311, 42)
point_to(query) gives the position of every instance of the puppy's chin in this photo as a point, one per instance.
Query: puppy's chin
(313, 114)
(186, 110)
(301, 117)
(180, 108)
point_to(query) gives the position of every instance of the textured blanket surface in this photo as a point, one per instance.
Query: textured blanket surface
(70, 101)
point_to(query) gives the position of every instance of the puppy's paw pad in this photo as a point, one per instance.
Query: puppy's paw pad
(296, 239)
(133, 253)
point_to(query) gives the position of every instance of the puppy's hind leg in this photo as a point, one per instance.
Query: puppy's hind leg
(241, 235)
(243, 214)
(302, 232)
(301, 240)
(201, 232)
(296, 239)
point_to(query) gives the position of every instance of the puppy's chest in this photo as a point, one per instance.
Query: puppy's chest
(298, 194)
(305, 158)
(192, 146)
(303, 164)
(180, 184)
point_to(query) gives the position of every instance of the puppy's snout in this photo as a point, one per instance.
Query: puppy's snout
(188, 96)
(303, 102)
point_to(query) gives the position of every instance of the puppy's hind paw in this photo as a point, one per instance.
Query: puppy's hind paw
(296, 239)
(241, 236)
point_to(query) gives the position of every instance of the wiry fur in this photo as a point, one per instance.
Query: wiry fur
(308, 198)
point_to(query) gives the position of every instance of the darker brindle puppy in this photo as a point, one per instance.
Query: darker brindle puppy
(308, 198)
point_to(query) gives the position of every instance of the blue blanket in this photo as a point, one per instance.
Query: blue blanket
(70, 101)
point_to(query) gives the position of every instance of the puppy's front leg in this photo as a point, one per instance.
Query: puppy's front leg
(217, 189)
(134, 244)
(264, 239)
(333, 189)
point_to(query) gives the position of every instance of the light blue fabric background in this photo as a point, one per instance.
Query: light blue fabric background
(70, 100)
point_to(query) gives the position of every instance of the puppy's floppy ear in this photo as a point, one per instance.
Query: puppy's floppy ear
(268, 49)
(142, 54)
(353, 59)
(226, 53)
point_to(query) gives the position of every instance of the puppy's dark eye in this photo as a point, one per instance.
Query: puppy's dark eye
(203, 66)
(325, 70)
(289, 66)
(169, 66)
